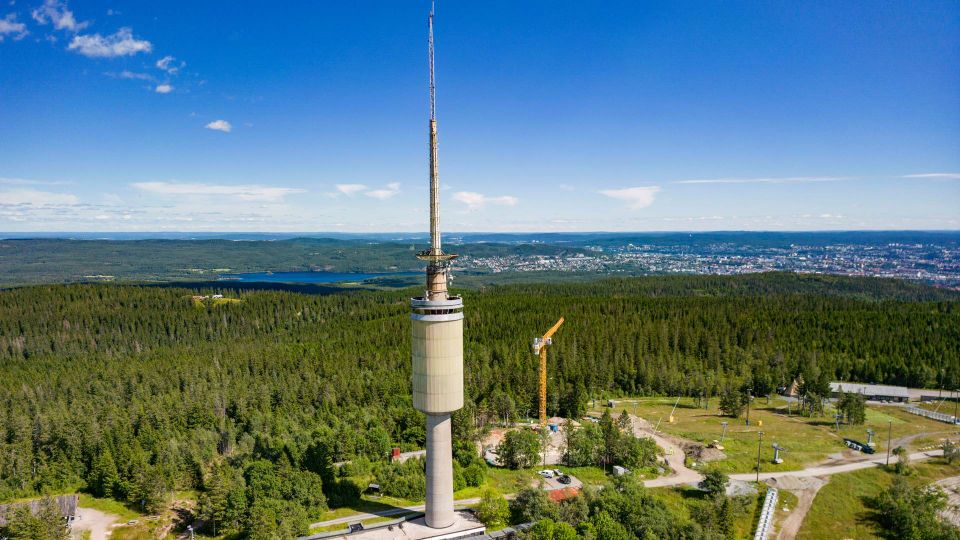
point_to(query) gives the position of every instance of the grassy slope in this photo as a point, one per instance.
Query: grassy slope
(809, 440)
(840, 509)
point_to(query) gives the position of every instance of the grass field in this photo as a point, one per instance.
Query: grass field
(745, 507)
(840, 509)
(807, 440)
(109, 506)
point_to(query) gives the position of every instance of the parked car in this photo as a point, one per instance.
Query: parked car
(545, 473)
(557, 472)
(565, 479)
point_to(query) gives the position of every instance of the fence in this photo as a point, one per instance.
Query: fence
(948, 418)
(767, 514)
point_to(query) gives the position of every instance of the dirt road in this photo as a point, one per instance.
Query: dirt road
(805, 488)
(674, 456)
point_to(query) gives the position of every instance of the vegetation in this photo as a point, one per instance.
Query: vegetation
(625, 511)
(519, 449)
(46, 524)
(714, 482)
(854, 505)
(132, 392)
(911, 512)
(853, 407)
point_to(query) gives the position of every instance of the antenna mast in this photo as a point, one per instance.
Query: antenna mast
(439, 261)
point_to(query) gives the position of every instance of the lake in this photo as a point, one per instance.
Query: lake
(308, 277)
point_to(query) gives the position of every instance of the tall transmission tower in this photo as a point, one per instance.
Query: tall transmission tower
(437, 346)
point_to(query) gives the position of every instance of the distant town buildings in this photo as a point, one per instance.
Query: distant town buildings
(931, 263)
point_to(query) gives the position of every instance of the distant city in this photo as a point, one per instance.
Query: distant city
(937, 263)
(931, 257)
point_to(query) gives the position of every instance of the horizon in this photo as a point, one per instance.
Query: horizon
(560, 118)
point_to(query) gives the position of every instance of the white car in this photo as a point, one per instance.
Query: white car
(545, 473)
(557, 472)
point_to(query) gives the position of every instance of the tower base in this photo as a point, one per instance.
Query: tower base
(439, 508)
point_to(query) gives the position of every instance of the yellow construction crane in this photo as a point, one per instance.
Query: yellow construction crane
(540, 345)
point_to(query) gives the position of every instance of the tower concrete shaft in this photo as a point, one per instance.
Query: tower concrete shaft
(437, 348)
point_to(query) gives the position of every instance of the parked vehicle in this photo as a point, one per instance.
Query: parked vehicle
(564, 479)
(545, 473)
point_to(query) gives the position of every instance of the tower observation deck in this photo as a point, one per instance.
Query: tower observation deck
(437, 346)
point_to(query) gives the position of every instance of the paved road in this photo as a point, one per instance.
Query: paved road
(824, 470)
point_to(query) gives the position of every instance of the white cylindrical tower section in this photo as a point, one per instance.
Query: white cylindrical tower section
(439, 512)
(437, 354)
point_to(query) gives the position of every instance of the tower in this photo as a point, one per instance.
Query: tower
(437, 346)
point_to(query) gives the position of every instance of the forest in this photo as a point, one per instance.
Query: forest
(133, 391)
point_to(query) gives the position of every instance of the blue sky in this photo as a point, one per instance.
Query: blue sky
(554, 116)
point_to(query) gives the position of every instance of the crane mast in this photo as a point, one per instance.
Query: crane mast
(540, 345)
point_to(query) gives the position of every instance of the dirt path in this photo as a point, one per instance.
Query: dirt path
(674, 456)
(806, 491)
(100, 524)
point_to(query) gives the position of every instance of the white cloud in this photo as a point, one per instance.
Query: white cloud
(219, 125)
(35, 198)
(122, 43)
(476, 200)
(784, 180)
(10, 26)
(935, 176)
(242, 192)
(383, 194)
(636, 197)
(351, 189)
(26, 182)
(166, 89)
(57, 13)
(168, 64)
(126, 74)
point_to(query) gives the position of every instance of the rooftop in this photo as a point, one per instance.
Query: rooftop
(870, 389)
(410, 528)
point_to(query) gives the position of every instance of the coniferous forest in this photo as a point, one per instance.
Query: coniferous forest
(132, 391)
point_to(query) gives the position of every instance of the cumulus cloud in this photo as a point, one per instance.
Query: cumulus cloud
(242, 192)
(934, 176)
(635, 197)
(782, 180)
(56, 12)
(385, 193)
(170, 65)
(34, 197)
(219, 125)
(477, 200)
(166, 89)
(350, 189)
(10, 27)
(122, 43)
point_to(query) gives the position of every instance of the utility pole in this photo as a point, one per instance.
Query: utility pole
(724, 434)
(889, 432)
(759, 445)
(748, 407)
